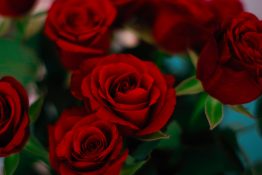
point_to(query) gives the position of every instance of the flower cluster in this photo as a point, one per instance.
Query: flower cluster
(121, 95)
(124, 96)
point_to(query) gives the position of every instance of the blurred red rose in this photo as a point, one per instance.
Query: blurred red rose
(14, 120)
(85, 145)
(226, 9)
(80, 28)
(230, 64)
(14, 8)
(127, 91)
(182, 24)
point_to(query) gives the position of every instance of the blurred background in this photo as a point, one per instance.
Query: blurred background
(253, 6)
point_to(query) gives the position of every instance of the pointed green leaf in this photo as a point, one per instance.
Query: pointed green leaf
(198, 109)
(241, 109)
(155, 136)
(36, 108)
(138, 157)
(5, 24)
(34, 24)
(144, 150)
(35, 148)
(214, 112)
(193, 57)
(10, 164)
(173, 142)
(18, 61)
(131, 167)
(21, 24)
(189, 86)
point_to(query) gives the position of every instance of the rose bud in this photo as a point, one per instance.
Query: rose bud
(85, 145)
(80, 31)
(15, 8)
(230, 64)
(131, 93)
(14, 120)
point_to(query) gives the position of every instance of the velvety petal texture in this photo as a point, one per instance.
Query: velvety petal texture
(182, 24)
(230, 64)
(15, 8)
(84, 144)
(14, 120)
(80, 28)
(188, 24)
(132, 93)
(225, 9)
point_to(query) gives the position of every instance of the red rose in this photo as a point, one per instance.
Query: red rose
(85, 145)
(182, 24)
(132, 93)
(14, 120)
(14, 8)
(80, 28)
(230, 65)
(226, 9)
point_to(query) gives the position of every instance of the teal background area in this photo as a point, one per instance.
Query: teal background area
(248, 136)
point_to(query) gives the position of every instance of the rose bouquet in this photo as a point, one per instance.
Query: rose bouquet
(125, 87)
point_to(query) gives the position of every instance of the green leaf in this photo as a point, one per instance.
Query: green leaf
(10, 164)
(34, 24)
(159, 58)
(143, 151)
(35, 148)
(21, 24)
(189, 86)
(198, 110)
(214, 112)
(173, 142)
(36, 108)
(18, 61)
(4, 25)
(241, 109)
(193, 57)
(155, 136)
(131, 167)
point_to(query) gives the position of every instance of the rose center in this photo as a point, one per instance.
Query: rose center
(83, 18)
(91, 146)
(124, 85)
